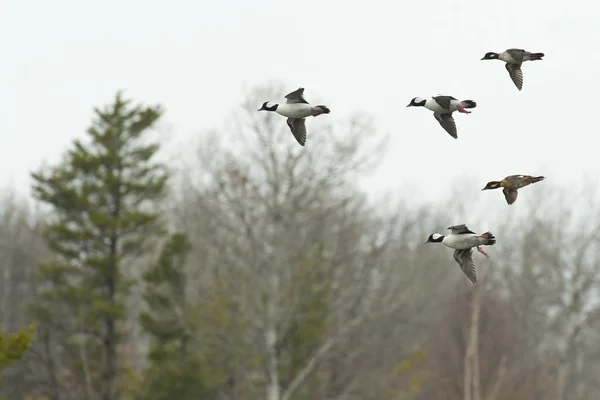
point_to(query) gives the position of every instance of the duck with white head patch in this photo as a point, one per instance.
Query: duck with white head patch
(462, 240)
(296, 109)
(514, 58)
(443, 107)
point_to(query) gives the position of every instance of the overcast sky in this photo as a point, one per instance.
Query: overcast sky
(61, 58)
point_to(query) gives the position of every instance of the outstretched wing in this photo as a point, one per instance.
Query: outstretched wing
(460, 229)
(297, 96)
(298, 128)
(447, 122)
(510, 195)
(516, 74)
(464, 258)
(444, 101)
(517, 54)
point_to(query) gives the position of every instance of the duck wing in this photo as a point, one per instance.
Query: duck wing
(510, 195)
(460, 229)
(447, 122)
(516, 74)
(444, 101)
(298, 128)
(464, 258)
(517, 181)
(297, 96)
(517, 54)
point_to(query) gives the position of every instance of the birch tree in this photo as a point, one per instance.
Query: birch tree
(293, 249)
(554, 281)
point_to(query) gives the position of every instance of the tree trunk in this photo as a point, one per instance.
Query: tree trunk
(273, 387)
(110, 340)
(471, 378)
(475, 341)
(6, 290)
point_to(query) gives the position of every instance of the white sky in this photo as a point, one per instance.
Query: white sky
(61, 58)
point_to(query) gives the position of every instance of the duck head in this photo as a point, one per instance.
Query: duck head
(416, 102)
(268, 106)
(492, 185)
(435, 238)
(491, 56)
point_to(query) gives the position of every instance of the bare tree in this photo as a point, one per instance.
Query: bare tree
(21, 245)
(300, 257)
(554, 281)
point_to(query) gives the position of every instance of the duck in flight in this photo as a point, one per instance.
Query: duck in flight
(514, 58)
(511, 184)
(443, 107)
(296, 109)
(462, 240)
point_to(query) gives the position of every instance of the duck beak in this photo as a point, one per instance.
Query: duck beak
(483, 58)
(408, 105)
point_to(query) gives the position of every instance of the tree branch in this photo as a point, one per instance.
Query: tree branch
(318, 355)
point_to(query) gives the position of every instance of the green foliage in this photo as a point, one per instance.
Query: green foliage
(311, 290)
(223, 330)
(14, 346)
(165, 297)
(101, 196)
(176, 380)
(176, 370)
(410, 377)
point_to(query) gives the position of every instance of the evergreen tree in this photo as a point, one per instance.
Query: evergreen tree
(175, 366)
(14, 346)
(101, 196)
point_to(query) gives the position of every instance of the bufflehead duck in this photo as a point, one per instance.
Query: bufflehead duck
(443, 107)
(296, 109)
(513, 59)
(462, 239)
(511, 183)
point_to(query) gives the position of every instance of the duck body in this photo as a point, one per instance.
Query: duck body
(511, 184)
(443, 106)
(519, 56)
(296, 109)
(293, 110)
(462, 240)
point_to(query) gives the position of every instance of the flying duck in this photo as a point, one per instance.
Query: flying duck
(511, 183)
(443, 107)
(462, 239)
(513, 59)
(296, 109)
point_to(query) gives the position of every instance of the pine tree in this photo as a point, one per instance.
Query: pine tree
(14, 346)
(175, 370)
(101, 196)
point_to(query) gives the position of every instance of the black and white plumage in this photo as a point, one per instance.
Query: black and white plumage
(296, 108)
(443, 107)
(462, 240)
(514, 58)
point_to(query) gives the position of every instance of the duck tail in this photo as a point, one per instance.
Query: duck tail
(536, 56)
(468, 104)
(320, 109)
(490, 239)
